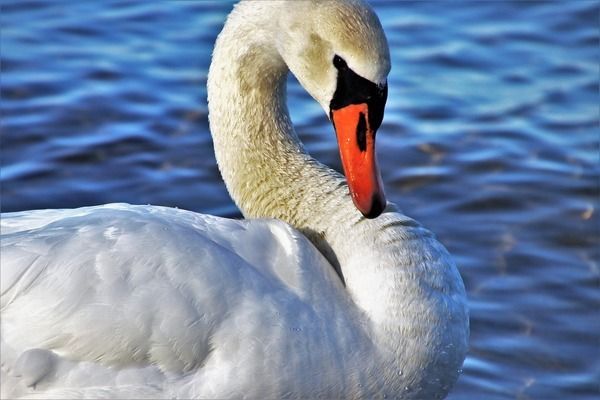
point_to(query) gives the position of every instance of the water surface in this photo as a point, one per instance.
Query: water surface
(490, 139)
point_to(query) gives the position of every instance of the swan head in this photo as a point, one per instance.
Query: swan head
(338, 52)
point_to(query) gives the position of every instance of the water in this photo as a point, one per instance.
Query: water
(490, 139)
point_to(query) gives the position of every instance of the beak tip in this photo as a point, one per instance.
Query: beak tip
(378, 204)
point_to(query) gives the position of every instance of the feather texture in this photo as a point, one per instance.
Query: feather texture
(124, 301)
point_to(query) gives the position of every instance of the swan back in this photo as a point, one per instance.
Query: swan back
(182, 300)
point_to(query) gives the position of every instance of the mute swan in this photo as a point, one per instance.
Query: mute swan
(128, 301)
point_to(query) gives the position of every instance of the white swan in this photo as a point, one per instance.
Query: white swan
(130, 301)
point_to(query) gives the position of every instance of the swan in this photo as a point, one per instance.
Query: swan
(325, 290)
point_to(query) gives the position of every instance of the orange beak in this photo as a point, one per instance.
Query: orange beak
(356, 140)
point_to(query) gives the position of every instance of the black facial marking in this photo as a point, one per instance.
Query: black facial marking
(339, 62)
(354, 89)
(361, 132)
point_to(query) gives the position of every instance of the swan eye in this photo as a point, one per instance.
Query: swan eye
(339, 62)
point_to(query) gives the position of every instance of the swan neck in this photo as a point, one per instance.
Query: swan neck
(252, 132)
(264, 165)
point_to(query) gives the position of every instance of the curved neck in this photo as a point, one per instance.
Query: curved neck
(251, 128)
(263, 163)
(267, 171)
(268, 174)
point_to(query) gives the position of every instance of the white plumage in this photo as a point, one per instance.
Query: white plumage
(158, 293)
(123, 301)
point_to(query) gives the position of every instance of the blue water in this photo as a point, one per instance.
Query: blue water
(490, 139)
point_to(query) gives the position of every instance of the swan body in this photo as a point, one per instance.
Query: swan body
(306, 298)
(174, 302)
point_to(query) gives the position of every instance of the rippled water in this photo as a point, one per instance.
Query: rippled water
(490, 139)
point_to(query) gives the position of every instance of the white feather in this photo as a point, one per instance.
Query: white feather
(123, 301)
